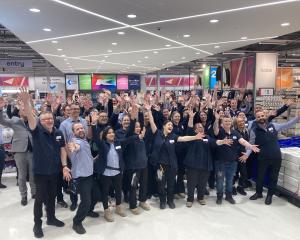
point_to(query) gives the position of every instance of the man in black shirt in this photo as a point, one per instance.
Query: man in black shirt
(48, 156)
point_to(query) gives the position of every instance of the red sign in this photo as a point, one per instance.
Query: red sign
(150, 81)
(177, 81)
(14, 81)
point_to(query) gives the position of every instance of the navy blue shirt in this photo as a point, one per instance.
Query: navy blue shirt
(46, 150)
(227, 153)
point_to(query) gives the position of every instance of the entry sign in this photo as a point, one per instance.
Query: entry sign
(15, 63)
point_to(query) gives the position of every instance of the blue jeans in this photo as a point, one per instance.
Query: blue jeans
(225, 170)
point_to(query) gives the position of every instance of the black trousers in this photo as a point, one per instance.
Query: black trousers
(274, 166)
(179, 187)
(137, 179)
(241, 175)
(84, 189)
(196, 178)
(116, 182)
(152, 183)
(126, 183)
(212, 178)
(168, 178)
(45, 193)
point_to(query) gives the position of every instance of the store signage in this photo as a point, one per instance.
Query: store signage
(15, 63)
(266, 92)
(122, 82)
(14, 81)
(100, 82)
(150, 81)
(85, 82)
(206, 77)
(176, 81)
(71, 82)
(266, 66)
(134, 82)
(47, 84)
(213, 77)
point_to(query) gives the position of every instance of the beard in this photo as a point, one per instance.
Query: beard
(262, 121)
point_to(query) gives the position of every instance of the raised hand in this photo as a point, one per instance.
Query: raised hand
(73, 147)
(24, 96)
(217, 115)
(142, 134)
(290, 102)
(134, 112)
(2, 103)
(95, 117)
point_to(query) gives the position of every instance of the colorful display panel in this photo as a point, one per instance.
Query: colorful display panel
(14, 81)
(85, 82)
(213, 77)
(122, 82)
(134, 82)
(100, 82)
(72, 82)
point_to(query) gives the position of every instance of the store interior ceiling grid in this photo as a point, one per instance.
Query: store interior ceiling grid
(86, 30)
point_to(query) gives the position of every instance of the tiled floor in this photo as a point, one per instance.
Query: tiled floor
(245, 220)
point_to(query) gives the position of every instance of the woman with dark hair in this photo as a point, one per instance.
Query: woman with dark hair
(163, 157)
(109, 166)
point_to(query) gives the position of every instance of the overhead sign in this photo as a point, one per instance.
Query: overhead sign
(100, 82)
(265, 71)
(122, 82)
(85, 82)
(14, 81)
(15, 63)
(134, 82)
(47, 84)
(177, 80)
(213, 77)
(150, 81)
(72, 82)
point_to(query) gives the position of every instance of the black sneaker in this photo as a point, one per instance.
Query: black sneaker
(37, 231)
(171, 205)
(234, 192)
(268, 200)
(229, 198)
(256, 196)
(241, 191)
(73, 207)
(55, 222)
(219, 200)
(2, 186)
(78, 228)
(93, 214)
(162, 205)
(62, 204)
(24, 201)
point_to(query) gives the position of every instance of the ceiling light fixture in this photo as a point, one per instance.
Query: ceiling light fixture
(54, 41)
(197, 53)
(47, 29)
(109, 50)
(244, 38)
(233, 53)
(155, 52)
(217, 46)
(63, 55)
(114, 44)
(121, 33)
(146, 57)
(35, 10)
(172, 61)
(106, 56)
(59, 49)
(131, 16)
(168, 45)
(186, 35)
(214, 21)
(285, 24)
(183, 58)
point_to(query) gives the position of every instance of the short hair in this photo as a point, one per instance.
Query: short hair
(47, 112)
(74, 124)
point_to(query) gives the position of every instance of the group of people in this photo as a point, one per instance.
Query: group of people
(130, 148)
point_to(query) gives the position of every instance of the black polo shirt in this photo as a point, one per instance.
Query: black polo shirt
(225, 153)
(46, 150)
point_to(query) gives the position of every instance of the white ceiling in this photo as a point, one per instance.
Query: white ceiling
(255, 19)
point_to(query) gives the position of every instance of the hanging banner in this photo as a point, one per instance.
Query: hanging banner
(15, 63)
(122, 82)
(134, 82)
(150, 81)
(100, 82)
(206, 77)
(14, 81)
(213, 77)
(284, 78)
(176, 81)
(45, 84)
(85, 82)
(266, 65)
(71, 82)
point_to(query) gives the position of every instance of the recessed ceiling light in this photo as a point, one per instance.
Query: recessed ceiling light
(35, 10)
(54, 41)
(285, 24)
(114, 43)
(121, 33)
(244, 38)
(106, 56)
(168, 45)
(172, 61)
(204, 65)
(66, 59)
(68, 63)
(139, 61)
(163, 64)
(183, 58)
(214, 21)
(133, 64)
(186, 35)
(217, 46)
(63, 55)
(59, 49)
(131, 16)
(197, 53)
(155, 52)
(109, 50)
(47, 29)
(146, 57)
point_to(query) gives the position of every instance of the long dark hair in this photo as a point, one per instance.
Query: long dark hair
(103, 134)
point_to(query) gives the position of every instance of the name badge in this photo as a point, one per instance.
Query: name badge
(246, 124)
(172, 141)
(118, 147)
(234, 137)
(271, 129)
(58, 138)
(205, 140)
